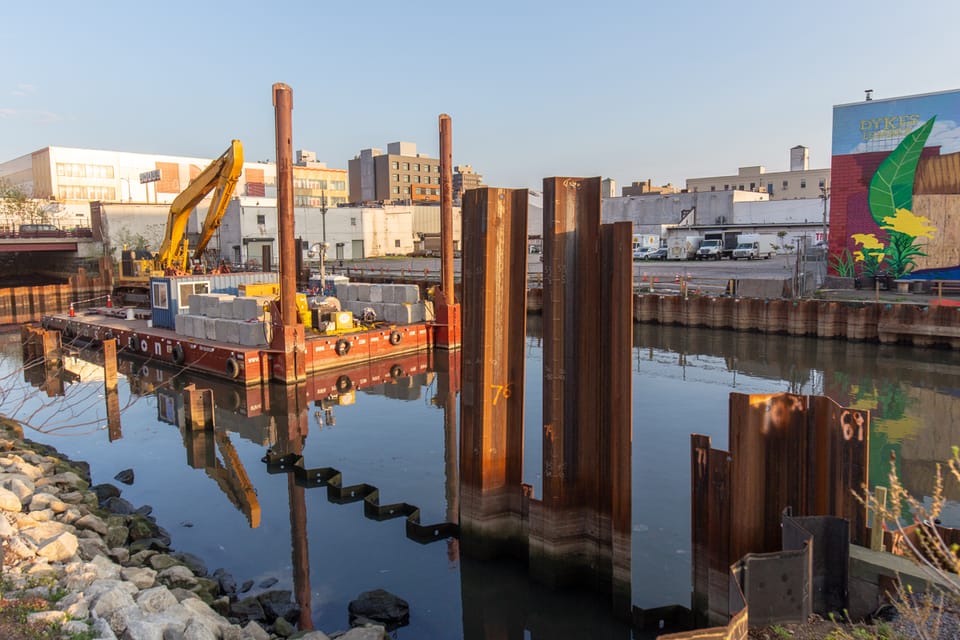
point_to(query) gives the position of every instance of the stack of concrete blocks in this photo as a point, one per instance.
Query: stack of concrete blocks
(224, 318)
(393, 303)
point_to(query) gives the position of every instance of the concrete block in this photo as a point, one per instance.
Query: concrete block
(213, 303)
(376, 292)
(363, 291)
(388, 294)
(407, 293)
(417, 312)
(247, 308)
(251, 334)
(210, 328)
(228, 330)
(346, 292)
(179, 322)
(195, 300)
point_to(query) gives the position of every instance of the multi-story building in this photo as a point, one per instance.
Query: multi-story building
(315, 185)
(400, 174)
(799, 182)
(464, 179)
(647, 188)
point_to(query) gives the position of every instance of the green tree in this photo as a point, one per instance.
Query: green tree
(17, 207)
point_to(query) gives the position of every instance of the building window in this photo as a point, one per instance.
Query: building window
(406, 166)
(416, 166)
(823, 183)
(726, 187)
(406, 178)
(770, 188)
(712, 188)
(261, 218)
(803, 183)
(785, 185)
(159, 295)
(353, 222)
(396, 243)
(753, 186)
(395, 177)
(394, 165)
(741, 187)
(406, 190)
(396, 189)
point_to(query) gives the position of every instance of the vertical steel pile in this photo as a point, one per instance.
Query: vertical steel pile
(579, 533)
(289, 336)
(803, 452)
(588, 323)
(447, 311)
(494, 272)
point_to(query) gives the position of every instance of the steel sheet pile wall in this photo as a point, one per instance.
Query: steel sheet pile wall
(578, 534)
(916, 324)
(491, 401)
(803, 452)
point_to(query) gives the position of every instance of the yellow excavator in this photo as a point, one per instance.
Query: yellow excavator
(221, 178)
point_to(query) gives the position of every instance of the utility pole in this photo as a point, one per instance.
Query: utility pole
(824, 195)
(323, 212)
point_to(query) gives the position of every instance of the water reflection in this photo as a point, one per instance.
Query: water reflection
(398, 433)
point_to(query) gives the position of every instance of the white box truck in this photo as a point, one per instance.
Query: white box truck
(682, 247)
(752, 246)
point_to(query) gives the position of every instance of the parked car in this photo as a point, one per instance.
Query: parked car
(641, 253)
(659, 253)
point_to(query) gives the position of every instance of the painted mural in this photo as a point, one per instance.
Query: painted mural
(895, 188)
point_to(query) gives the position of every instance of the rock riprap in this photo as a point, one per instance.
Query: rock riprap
(106, 567)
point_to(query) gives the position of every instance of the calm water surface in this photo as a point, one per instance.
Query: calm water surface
(392, 436)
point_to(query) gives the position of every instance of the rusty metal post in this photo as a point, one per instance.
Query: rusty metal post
(290, 338)
(446, 209)
(283, 108)
(571, 309)
(447, 311)
(491, 402)
(111, 395)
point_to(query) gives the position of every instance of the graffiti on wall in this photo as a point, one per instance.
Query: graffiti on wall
(895, 182)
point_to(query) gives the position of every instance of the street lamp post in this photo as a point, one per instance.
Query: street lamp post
(323, 213)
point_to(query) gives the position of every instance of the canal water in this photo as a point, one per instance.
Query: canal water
(391, 435)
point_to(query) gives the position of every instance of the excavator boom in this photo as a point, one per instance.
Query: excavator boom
(221, 177)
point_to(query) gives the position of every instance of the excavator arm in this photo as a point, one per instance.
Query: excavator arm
(221, 177)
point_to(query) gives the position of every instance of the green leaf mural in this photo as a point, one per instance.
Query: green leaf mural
(892, 185)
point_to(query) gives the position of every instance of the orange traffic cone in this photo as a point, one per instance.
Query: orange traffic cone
(72, 312)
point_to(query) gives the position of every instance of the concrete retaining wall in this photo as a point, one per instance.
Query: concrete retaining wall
(916, 324)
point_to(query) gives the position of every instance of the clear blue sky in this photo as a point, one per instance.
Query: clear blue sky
(629, 90)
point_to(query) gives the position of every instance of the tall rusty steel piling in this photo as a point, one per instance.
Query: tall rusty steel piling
(579, 532)
(289, 338)
(447, 310)
(494, 272)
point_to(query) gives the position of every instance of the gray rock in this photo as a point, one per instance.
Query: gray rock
(143, 577)
(202, 612)
(155, 600)
(253, 631)
(116, 535)
(59, 548)
(74, 628)
(194, 563)
(106, 570)
(120, 619)
(110, 600)
(267, 583)
(102, 628)
(142, 629)
(366, 632)
(227, 583)
(41, 501)
(279, 604)
(162, 561)
(120, 555)
(183, 594)
(152, 544)
(248, 609)
(42, 515)
(7, 530)
(100, 587)
(283, 628)
(382, 606)
(46, 617)
(40, 532)
(22, 486)
(118, 505)
(20, 548)
(314, 635)
(125, 476)
(9, 500)
(72, 497)
(90, 548)
(198, 631)
(75, 606)
(66, 479)
(105, 491)
(141, 558)
(178, 576)
(92, 523)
